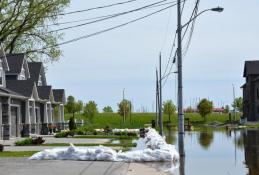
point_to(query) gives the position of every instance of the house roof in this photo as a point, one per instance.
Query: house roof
(36, 68)
(59, 95)
(251, 68)
(44, 92)
(15, 62)
(8, 91)
(23, 87)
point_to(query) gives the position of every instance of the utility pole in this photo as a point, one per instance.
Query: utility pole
(180, 81)
(124, 105)
(234, 105)
(157, 98)
(160, 97)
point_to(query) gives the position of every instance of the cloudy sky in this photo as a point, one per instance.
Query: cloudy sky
(99, 68)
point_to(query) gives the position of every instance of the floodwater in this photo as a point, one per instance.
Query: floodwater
(210, 152)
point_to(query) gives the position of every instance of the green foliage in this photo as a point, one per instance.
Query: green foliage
(30, 141)
(90, 110)
(70, 106)
(23, 27)
(169, 108)
(205, 107)
(64, 134)
(107, 109)
(124, 109)
(238, 104)
(226, 109)
(71, 124)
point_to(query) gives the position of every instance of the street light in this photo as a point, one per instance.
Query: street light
(180, 73)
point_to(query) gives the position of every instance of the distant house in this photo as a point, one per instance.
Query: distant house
(251, 91)
(27, 104)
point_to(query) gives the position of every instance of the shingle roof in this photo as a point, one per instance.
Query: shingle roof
(251, 68)
(35, 69)
(44, 92)
(8, 91)
(23, 87)
(15, 62)
(59, 95)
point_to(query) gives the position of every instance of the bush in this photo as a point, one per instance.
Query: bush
(64, 134)
(30, 141)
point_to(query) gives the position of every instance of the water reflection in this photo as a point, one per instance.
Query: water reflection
(206, 139)
(251, 145)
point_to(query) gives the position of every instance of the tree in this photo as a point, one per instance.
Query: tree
(226, 109)
(90, 110)
(205, 107)
(24, 27)
(71, 124)
(124, 109)
(238, 104)
(78, 106)
(70, 106)
(169, 108)
(107, 109)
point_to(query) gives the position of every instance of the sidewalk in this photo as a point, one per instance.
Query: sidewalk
(23, 166)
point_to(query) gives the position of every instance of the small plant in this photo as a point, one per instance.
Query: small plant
(30, 141)
(64, 134)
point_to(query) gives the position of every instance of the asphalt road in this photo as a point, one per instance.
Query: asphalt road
(23, 166)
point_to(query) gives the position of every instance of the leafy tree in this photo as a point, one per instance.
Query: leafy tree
(70, 106)
(78, 106)
(90, 110)
(226, 109)
(124, 108)
(107, 109)
(71, 123)
(169, 108)
(205, 107)
(238, 104)
(23, 27)
(190, 110)
(205, 139)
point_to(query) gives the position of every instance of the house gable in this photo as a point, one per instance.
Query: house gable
(37, 73)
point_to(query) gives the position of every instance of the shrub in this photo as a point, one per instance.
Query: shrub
(71, 124)
(64, 134)
(30, 141)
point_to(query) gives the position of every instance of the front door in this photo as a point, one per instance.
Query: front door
(14, 122)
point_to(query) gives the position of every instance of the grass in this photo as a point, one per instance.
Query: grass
(17, 153)
(138, 120)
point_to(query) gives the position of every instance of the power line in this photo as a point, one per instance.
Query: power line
(94, 8)
(103, 31)
(98, 17)
(110, 17)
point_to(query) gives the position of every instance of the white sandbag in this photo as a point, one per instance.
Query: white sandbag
(157, 150)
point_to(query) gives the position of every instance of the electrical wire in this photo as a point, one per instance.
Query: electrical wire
(98, 17)
(110, 17)
(94, 8)
(103, 31)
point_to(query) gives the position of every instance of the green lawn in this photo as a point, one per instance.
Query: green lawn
(138, 120)
(17, 153)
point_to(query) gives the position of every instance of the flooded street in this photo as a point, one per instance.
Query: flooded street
(218, 152)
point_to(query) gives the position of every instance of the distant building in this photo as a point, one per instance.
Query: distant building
(251, 91)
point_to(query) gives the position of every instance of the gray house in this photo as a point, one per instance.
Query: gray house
(251, 91)
(27, 104)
